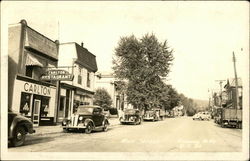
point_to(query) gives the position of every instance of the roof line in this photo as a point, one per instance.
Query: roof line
(40, 34)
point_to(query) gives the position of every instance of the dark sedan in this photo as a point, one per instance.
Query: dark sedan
(87, 118)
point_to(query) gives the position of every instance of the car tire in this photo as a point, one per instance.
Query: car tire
(105, 126)
(89, 128)
(18, 136)
(139, 122)
(65, 130)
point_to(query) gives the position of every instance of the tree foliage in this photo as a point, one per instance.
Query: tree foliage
(170, 98)
(102, 98)
(188, 104)
(143, 62)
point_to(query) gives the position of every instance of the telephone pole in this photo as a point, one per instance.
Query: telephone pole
(236, 82)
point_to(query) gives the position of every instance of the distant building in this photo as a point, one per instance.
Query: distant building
(29, 55)
(230, 89)
(107, 81)
(82, 64)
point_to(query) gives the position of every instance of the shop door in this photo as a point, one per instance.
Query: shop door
(36, 114)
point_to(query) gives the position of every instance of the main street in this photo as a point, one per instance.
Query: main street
(180, 134)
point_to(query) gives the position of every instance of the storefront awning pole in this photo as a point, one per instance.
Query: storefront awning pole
(57, 105)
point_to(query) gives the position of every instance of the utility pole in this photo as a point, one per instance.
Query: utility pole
(220, 82)
(236, 83)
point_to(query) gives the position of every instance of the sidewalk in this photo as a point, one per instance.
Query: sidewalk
(44, 130)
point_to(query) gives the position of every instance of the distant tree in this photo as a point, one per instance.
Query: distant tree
(102, 98)
(142, 63)
(170, 97)
(188, 104)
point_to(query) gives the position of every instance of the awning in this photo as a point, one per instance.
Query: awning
(32, 61)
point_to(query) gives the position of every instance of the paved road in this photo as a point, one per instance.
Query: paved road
(171, 135)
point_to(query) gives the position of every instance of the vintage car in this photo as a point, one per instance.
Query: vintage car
(131, 116)
(202, 116)
(151, 115)
(87, 118)
(18, 127)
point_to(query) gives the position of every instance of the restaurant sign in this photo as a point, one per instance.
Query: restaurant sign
(57, 75)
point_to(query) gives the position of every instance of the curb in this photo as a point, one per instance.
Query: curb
(61, 130)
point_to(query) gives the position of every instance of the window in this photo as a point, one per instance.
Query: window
(25, 103)
(29, 71)
(88, 79)
(79, 75)
(45, 106)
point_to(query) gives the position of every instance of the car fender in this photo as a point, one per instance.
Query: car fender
(86, 121)
(20, 121)
(104, 121)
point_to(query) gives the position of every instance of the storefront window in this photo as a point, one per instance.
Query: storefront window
(25, 103)
(45, 107)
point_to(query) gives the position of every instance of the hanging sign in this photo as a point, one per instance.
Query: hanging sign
(57, 74)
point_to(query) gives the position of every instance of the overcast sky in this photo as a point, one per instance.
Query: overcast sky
(202, 34)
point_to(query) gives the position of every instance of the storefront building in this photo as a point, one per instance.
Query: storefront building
(82, 64)
(31, 54)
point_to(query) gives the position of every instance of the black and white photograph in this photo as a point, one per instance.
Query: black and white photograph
(124, 80)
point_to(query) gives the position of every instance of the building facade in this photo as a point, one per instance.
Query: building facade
(30, 54)
(78, 61)
(107, 81)
(230, 89)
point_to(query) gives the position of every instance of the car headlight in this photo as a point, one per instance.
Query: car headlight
(80, 118)
(64, 122)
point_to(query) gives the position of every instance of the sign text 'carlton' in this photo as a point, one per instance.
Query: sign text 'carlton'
(36, 89)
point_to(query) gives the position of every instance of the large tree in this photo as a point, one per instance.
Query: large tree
(142, 62)
(102, 98)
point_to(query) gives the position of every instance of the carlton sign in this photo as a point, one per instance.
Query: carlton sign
(57, 75)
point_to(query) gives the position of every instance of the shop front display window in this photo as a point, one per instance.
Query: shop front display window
(25, 103)
(45, 107)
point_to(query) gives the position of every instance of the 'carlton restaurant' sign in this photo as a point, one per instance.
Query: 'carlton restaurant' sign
(57, 75)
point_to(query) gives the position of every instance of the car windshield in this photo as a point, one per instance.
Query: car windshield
(129, 111)
(85, 110)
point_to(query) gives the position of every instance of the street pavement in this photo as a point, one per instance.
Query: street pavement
(180, 134)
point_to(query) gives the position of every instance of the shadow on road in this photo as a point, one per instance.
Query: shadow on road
(35, 140)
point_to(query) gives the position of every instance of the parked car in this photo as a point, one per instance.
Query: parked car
(18, 127)
(106, 113)
(202, 116)
(151, 115)
(87, 118)
(131, 116)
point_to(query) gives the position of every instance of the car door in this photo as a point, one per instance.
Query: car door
(97, 116)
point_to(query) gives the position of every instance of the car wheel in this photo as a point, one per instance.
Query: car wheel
(139, 122)
(89, 128)
(19, 136)
(65, 130)
(105, 126)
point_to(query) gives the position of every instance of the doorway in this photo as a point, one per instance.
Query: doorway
(36, 113)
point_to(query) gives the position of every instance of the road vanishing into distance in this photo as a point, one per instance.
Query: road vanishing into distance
(181, 134)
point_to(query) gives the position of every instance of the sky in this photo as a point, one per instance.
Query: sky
(203, 35)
